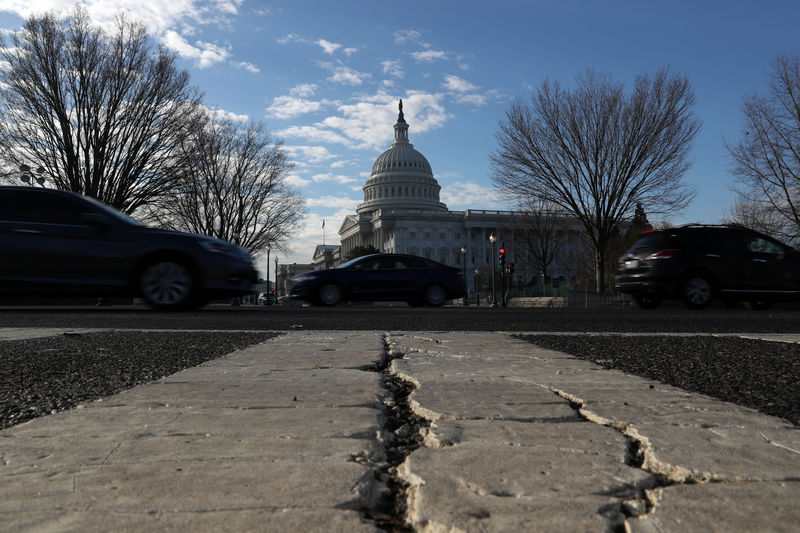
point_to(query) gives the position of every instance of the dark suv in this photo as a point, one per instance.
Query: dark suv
(697, 263)
(57, 243)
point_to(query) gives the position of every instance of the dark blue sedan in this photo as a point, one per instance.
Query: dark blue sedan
(382, 277)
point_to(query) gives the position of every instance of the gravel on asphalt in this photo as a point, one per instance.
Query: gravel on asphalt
(763, 375)
(46, 375)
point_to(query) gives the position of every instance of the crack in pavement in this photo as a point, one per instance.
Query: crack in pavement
(641, 499)
(637, 500)
(641, 465)
(403, 431)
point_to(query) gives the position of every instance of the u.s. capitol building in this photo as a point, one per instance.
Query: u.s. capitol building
(402, 213)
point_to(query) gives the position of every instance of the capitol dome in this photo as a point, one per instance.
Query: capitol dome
(401, 177)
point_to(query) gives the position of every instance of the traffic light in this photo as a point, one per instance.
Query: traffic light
(511, 269)
(502, 256)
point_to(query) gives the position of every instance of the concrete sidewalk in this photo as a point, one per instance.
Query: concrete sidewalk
(289, 435)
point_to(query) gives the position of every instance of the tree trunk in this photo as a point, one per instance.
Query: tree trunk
(600, 270)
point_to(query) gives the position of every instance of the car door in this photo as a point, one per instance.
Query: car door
(773, 266)
(723, 252)
(412, 275)
(52, 241)
(366, 279)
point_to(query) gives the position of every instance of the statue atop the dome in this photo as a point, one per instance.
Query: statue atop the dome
(400, 118)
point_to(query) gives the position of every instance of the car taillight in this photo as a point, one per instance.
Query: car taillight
(664, 254)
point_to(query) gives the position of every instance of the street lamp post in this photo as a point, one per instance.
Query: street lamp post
(464, 258)
(28, 177)
(269, 248)
(476, 283)
(276, 279)
(493, 239)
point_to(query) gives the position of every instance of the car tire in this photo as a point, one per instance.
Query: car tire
(329, 294)
(697, 291)
(168, 284)
(647, 302)
(435, 295)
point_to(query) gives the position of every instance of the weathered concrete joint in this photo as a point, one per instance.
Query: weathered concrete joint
(402, 432)
(637, 499)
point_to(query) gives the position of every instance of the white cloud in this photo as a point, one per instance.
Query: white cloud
(289, 38)
(472, 99)
(304, 90)
(162, 20)
(366, 122)
(227, 115)
(328, 47)
(284, 107)
(336, 178)
(336, 202)
(297, 181)
(413, 36)
(464, 91)
(468, 195)
(343, 74)
(341, 164)
(350, 51)
(308, 154)
(310, 233)
(247, 66)
(454, 83)
(204, 54)
(428, 56)
(392, 68)
(316, 133)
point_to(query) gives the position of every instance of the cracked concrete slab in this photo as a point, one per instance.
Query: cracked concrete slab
(279, 436)
(719, 505)
(637, 438)
(290, 435)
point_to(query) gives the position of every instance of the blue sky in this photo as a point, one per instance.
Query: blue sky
(326, 77)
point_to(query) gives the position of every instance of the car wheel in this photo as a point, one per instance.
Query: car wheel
(697, 291)
(647, 302)
(435, 295)
(329, 294)
(167, 284)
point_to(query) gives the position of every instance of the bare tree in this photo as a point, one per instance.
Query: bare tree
(767, 158)
(539, 245)
(102, 114)
(759, 215)
(596, 152)
(234, 187)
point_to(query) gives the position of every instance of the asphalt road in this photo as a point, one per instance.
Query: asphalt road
(672, 319)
